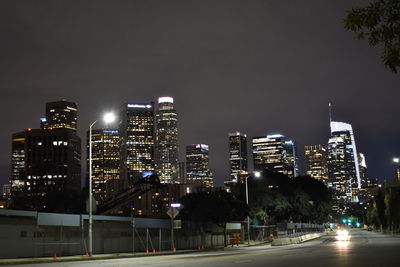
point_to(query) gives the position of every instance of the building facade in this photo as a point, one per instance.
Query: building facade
(45, 168)
(60, 114)
(362, 166)
(237, 156)
(343, 165)
(338, 176)
(105, 163)
(316, 165)
(275, 153)
(166, 143)
(198, 172)
(136, 133)
(7, 191)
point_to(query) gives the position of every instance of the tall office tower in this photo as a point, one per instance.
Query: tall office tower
(105, 163)
(136, 132)
(60, 114)
(338, 176)
(362, 166)
(198, 172)
(275, 153)
(6, 191)
(237, 155)
(343, 168)
(45, 169)
(316, 157)
(166, 143)
(43, 123)
(182, 172)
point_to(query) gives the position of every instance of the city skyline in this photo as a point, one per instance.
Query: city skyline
(44, 124)
(221, 83)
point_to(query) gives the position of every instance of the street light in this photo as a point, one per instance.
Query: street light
(257, 175)
(397, 171)
(108, 118)
(173, 215)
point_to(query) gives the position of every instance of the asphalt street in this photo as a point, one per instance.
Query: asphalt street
(362, 249)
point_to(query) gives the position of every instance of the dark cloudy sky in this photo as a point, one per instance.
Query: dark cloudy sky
(255, 66)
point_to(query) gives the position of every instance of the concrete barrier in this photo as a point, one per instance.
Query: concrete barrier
(295, 240)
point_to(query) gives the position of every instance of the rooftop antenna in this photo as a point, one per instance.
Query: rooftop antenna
(330, 112)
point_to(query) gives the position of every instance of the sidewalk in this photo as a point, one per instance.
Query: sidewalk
(94, 257)
(118, 255)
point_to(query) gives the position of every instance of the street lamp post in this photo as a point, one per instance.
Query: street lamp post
(173, 215)
(256, 174)
(108, 118)
(396, 161)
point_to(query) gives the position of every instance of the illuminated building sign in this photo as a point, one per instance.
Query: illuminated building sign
(138, 106)
(165, 99)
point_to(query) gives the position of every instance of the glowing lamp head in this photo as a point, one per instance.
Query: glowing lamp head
(396, 160)
(257, 174)
(109, 117)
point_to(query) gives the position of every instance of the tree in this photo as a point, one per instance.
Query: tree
(392, 203)
(275, 197)
(379, 22)
(320, 198)
(218, 207)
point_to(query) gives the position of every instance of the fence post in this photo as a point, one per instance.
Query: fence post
(133, 235)
(159, 239)
(147, 239)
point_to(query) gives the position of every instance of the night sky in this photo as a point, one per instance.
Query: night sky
(259, 67)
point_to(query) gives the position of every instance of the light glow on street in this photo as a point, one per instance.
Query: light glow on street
(343, 235)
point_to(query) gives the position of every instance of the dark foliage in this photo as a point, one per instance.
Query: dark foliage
(275, 197)
(379, 22)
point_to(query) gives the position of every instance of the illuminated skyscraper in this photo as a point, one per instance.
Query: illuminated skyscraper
(136, 131)
(45, 163)
(237, 155)
(316, 157)
(166, 143)
(60, 114)
(343, 165)
(105, 162)
(45, 166)
(362, 166)
(275, 153)
(197, 166)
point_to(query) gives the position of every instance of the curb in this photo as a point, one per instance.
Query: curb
(96, 257)
(114, 256)
(295, 240)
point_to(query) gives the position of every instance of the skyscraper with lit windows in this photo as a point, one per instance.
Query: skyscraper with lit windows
(166, 143)
(316, 156)
(275, 153)
(60, 114)
(362, 166)
(343, 165)
(136, 133)
(105, 162)
(45, 164)
(198, 172)
(237, 155)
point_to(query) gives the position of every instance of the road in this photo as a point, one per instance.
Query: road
(363, 249)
